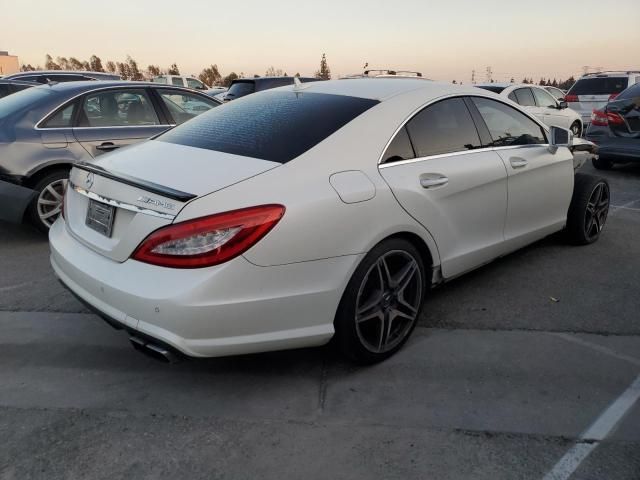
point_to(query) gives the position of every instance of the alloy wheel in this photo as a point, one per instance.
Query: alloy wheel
(597, 210)
(388, 301)
(49, 203)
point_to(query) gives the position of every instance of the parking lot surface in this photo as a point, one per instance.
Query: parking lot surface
(526, 368)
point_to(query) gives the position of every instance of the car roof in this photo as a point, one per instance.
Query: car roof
(85, 85)
(60, 72)
(383, 88)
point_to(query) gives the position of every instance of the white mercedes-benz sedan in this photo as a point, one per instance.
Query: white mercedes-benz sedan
(313, 211)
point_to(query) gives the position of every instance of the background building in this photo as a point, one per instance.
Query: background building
(8, 63)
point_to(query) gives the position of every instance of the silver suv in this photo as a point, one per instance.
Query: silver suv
(594, 90)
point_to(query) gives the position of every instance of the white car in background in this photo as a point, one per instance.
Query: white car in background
(180, 81)
(537, 101)
(322, 209)
(594, 90)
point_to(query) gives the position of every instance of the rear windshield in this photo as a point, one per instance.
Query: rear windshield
(631, 92)
(160, 80)
(240, 89)
(491, 88)
(599, 86)
(273, 125)
(22, 100)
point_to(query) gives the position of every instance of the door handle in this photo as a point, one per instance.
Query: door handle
(431, 180)
(517, 162)
(107, 146)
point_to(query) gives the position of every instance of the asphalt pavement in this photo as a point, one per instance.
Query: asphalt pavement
(526, 368)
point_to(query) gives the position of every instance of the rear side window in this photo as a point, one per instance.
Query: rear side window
(177, 81)
(273, 125)
(443, 127)
(631, 92)
(599, 86)
(508, 126)
(63, 118)
(524, 97)
(400, 148)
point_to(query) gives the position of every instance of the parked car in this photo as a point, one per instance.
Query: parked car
(313, 211)
(246, 86)
(46, 129)
(180, 81)
(593, 91)
(540, 103)
(46, 76)
(616, 129)
(216, 92)
(557, 93)
(7, 87)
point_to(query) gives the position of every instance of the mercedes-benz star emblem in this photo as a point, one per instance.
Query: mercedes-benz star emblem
(88, 182)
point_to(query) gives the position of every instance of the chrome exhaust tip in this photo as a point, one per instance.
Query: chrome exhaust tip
(153, 350)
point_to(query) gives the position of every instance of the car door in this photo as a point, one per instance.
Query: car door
(540, 178)
(524, 97)
(457, 193)
(112, 118)
(552, 115)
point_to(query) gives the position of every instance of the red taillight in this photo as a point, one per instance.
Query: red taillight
(603, 119)
(208, 241)
(571, 98)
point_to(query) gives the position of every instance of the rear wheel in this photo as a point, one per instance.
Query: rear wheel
(602, 163)
(588, 210)
(382, 302)
(47, 206)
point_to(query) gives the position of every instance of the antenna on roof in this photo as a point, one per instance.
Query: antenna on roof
(298, 85)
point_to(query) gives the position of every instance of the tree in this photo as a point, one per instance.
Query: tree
(95, 64)
(111, 67)
(454, 82)
(154, 70)
(210, 75)
(325, 72)
(173, 70)
(134, 72)
(49, 64)
(64, 63)
(124, 70)
(27, 68)
(272, 72)
(513, 80)
(297, 74)
(226, 81)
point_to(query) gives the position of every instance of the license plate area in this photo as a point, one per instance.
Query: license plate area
(100, 217)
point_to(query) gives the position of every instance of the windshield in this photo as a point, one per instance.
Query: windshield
(240, 89)
(631, 92)
(273, 125)
(18, 101)
(599, 86)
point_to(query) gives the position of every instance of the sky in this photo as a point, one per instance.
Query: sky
(445, 40)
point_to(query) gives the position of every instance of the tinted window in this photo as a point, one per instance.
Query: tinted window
(193, 83)
(184, 106)
(491, 88)
(599, 86)
(400, 148)
(4, 90)
(631, 92)
(524, 97)
(66, 78)
(273, 125)
(543, 98)
(63, 118)
(508, 126)
(443, 127)
(240, 89)
(117, 108)
(177, 81)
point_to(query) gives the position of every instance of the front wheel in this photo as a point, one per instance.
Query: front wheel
(588, 210)
(382, 302)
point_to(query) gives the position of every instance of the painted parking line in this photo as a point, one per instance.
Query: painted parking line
(596, 347)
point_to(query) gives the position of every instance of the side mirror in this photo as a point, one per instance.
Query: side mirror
(560, 137)
(562, 105)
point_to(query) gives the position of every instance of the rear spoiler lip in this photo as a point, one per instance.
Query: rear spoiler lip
(137, 182)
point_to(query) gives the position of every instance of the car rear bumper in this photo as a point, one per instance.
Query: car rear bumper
(14, 200)
(627, 149)
(234, 308)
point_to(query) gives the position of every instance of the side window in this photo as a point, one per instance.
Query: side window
(512, 97)
(400, 148)
(63, 118)
(544, 99)
(193, 83)
(508, 126)
(184, 105)
(4, 90)
(443, 127)
(524, 97)
(117, 108)
(177, 81)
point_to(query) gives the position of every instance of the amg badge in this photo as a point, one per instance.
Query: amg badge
(157, 203)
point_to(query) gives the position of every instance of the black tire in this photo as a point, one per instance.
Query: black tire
(395, 304)
(588, 210)
(56, 178)
(602, 163)
(576, 128)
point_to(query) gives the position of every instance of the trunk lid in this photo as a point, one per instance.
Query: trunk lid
(116, 202)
